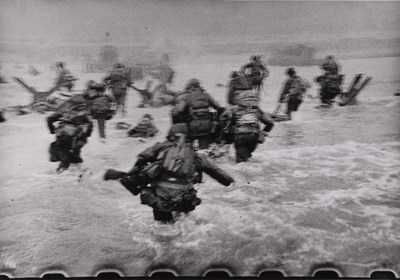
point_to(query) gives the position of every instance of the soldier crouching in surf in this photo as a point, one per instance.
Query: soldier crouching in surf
(73, 129)
(172, 168)
(144, 129)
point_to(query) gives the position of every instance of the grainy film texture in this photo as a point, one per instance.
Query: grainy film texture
(243, 136)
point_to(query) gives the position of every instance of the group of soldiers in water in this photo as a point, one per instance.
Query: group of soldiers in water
(164, 174)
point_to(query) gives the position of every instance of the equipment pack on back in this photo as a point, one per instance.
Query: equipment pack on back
(201, 117)
(247, 98)
(179, 160)
(298, 87)
(72, 111)
(102, 105)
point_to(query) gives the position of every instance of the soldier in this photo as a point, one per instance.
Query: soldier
(172, 189)
(144, 129)
(330, 66)
(194, 107)
(118, 80)
(73, 129)
(258, 72)
(293, 92)
(102, 105)
(241, 125)
(237, 83)
(64, 78)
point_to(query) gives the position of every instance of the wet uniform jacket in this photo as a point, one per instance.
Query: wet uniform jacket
(202, 164)
(64, 79)
(118, 79)
(101, 104)
(237, 83)
(194, 107)
(247, 120)
(172, 193)
(295, 87)
(73, 118)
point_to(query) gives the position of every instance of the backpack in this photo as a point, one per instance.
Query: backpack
(247, 98)
(102, 106)
(333, 82)
(202, 120)
(247, 120)
(298, 88)
(73, 112)
(179, 159)
(119, 78)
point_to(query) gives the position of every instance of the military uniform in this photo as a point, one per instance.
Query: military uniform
(258, 71)
(174, 191)
(193, 107)
(118, 80)
(74, 127)
(101, 105)
(65, 79)
(293, 92)
(241, 124)
(236, 84)
(143, 130)
(330, 87)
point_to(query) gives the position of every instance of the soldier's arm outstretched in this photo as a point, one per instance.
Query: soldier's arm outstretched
(214, 171)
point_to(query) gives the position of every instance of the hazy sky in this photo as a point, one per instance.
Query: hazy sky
(130, 21)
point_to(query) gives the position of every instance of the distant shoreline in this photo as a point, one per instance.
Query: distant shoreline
(350, 48)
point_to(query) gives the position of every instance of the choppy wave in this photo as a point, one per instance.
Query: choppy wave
(324, 188)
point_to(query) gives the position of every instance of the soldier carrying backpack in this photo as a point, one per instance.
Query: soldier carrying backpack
(102, 105)
(197, 108)
(241, 125)
(292, 92)
(73, 129)
(171, 169)
(119, 79)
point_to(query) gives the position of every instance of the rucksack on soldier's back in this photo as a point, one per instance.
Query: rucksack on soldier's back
(247, 98)
(102, 106)
(179, 159)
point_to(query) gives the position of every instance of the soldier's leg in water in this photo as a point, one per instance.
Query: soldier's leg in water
(76, 154)
(102, 127)
(162, 216)
(63, 146)
(252, 145)
(242, 152)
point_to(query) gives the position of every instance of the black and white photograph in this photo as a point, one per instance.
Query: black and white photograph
(199, 138)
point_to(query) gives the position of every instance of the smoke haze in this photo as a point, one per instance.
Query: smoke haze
(132, 22)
